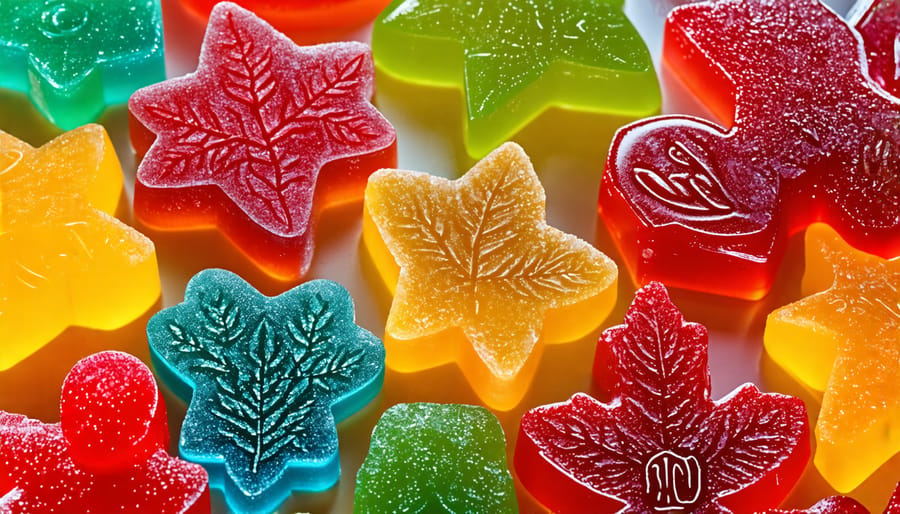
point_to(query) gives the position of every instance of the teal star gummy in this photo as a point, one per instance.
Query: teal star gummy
(515, 58)
(267, 378)
(75, 57)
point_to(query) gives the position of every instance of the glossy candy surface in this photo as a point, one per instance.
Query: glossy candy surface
(267, 379)
(64, 259)
(811, 138)
(472, 265)
(427, 457)
(262, 138)
(514, 59)
(845, 341)
(661, 444)
(830, 505)
(878, 22)
(73, 58)
(107, 454)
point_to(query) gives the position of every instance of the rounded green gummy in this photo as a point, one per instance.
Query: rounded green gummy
(75, 57)
(427, 457)
(515, 58)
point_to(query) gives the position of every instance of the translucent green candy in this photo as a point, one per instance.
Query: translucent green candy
(428, 457)
(515, 58)
(75, 57)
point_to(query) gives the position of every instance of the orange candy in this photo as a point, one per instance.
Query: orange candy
(64, 259)
(478, 276)
(845, 341)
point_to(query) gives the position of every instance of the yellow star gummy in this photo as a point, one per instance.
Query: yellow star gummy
(845, 341)
(64, 259)
(478, 276)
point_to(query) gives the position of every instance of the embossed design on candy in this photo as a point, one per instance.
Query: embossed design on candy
(270, 377)
(277, 122)
(661, 444)
(727, 198)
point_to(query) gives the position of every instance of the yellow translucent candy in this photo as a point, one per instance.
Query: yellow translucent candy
(845, 341)
(64, 259)
(478, 277)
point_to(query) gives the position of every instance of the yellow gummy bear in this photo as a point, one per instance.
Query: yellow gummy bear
(845, 341)
(64, 259)
(473, 265)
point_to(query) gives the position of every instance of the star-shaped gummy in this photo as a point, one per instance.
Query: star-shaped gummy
(661, 444)
(480, 268)
(107, 453)
(845, 341)
(267, 379)
(64, 259)
(75, 57)
(515, 58)
(259, 140)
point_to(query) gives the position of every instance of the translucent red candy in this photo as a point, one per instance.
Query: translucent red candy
(811, 138)
(107, 454)
(662, 444)
(830, 505)
(878, 23)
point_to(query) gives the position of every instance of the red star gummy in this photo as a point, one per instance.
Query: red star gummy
(107, 453)
(662, 444)
(811, 138)
(262, 138)
(878, 22)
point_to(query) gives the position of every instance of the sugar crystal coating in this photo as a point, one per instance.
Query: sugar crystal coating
(267, 379)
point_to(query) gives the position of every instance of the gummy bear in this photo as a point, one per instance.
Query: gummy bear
(427, 457)
(878, 22)
(74, 58)
(107, 454)
(64, 259)
(662, 444)
(844, 341)
(267, 379)
(811, 138)
(473, 265)
(514, 59)
(262, 138)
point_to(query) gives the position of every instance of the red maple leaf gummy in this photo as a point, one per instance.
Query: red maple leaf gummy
(107, 453)
(662, 444)
(811, 138)
(259, 140)
(878, 22)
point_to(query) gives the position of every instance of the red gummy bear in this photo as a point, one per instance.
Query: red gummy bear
(262, 138)
(107, 454)
(662, 444)
(878, 23)
(812, 138)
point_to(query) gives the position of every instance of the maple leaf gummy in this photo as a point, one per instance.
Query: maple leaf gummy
(811, 137)
(478, 276)
(661, 444)
(267, 379)
(259, 140)
(427, 457)
(73, 58)
(107, 453)
(514, 59)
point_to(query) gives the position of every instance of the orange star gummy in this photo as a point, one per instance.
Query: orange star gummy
(64, 259)
(845, 341)
(473, 265)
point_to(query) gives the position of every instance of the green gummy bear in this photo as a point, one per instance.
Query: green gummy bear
(75, 57)
(516, 58)
(427, 457)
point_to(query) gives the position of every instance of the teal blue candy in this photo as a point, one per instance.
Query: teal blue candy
(267, 379)
(75, 57)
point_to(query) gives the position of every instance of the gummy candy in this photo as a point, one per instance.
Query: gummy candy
(812, 138)
(262, 138)
(878, 22)
(830, 505)
(267, 379)
(427, 457)
(662, 444)
(64, 259)
(844, 341)
(74, 58)
(473, 264)
(107, 454)
(515, 59)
